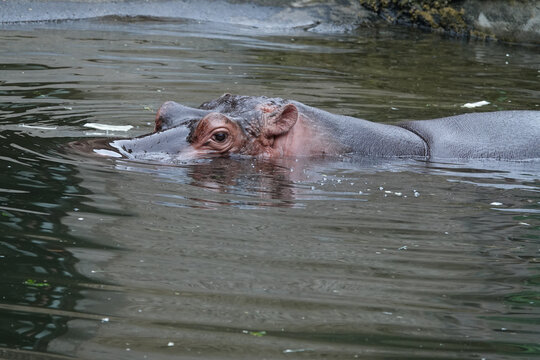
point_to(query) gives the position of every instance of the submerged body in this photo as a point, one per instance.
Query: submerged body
(273, 127)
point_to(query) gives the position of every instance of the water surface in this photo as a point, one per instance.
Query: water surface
(239, 258)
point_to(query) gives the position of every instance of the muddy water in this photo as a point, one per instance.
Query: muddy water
(241, 259)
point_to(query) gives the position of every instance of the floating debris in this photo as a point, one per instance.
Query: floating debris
(287, 351)
(476, 104)
(254, 333)
(108, 127)
(496, 203)
(38, 127)
(105, 152)
(35, 283)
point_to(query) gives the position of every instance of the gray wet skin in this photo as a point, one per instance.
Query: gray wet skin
(509, 135)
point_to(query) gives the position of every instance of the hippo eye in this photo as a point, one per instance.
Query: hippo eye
(220, 136)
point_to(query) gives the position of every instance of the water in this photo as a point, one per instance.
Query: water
(238, 258)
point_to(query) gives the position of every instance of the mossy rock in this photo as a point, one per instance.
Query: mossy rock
(510, 20)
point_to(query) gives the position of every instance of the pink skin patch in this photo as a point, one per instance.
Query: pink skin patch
(267, 108)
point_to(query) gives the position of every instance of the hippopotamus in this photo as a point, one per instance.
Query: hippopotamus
(273, 127)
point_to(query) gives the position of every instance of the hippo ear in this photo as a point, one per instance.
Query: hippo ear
(281, 121)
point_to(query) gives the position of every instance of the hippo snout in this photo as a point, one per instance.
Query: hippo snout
(171, 143)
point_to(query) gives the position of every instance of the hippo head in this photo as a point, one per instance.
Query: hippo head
(231, 124)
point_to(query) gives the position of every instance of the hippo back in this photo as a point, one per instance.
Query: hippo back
(511, 135)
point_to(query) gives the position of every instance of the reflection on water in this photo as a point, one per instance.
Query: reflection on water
(242, 258)
(40, 284)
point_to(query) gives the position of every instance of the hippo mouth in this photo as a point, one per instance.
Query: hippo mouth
(169, 144)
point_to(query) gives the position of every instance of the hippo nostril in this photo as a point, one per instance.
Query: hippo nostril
(158, 122)
(172, 114)
(163, 115)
